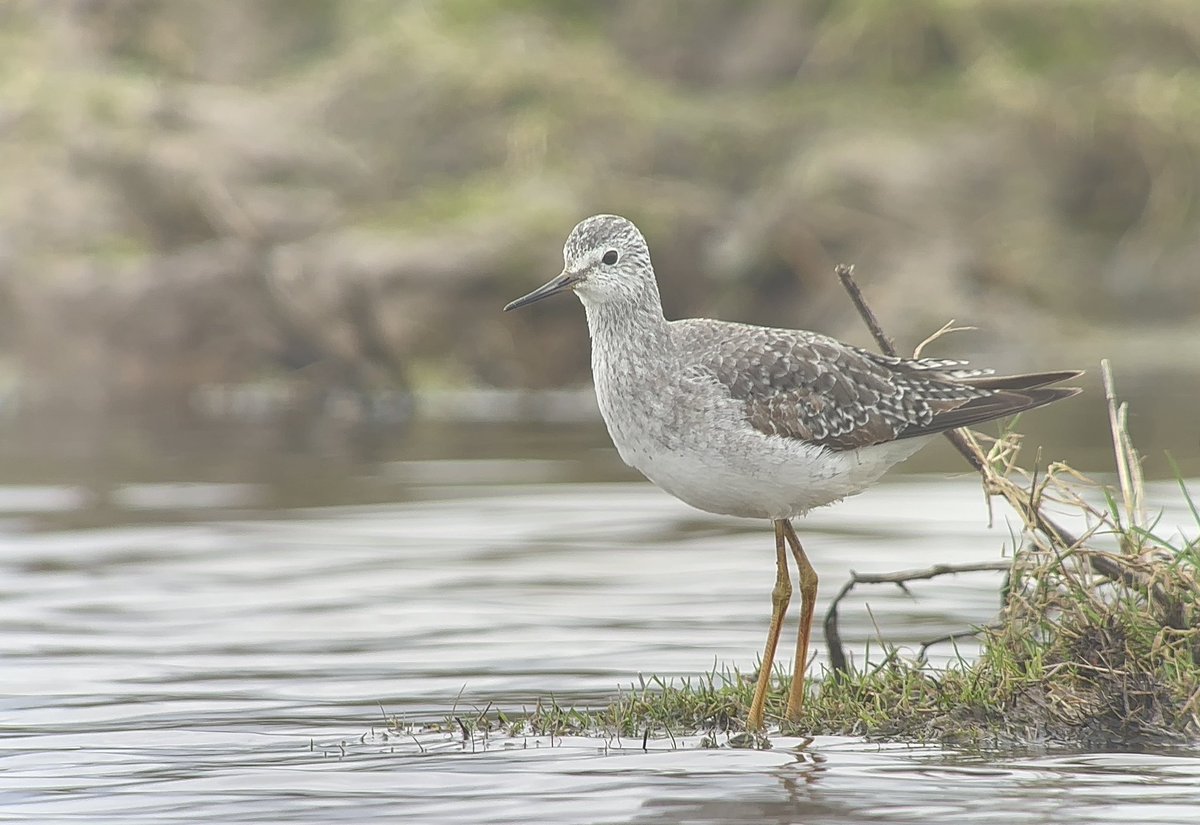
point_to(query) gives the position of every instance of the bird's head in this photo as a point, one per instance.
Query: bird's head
(605, 260)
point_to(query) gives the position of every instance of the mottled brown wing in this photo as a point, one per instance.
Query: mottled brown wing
(807, 386)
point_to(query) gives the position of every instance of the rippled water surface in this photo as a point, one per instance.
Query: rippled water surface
(218, 639)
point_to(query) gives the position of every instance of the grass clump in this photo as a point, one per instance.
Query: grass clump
(1098, 643)
(710, 704)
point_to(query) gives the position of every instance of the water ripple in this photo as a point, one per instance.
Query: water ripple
(238, 668)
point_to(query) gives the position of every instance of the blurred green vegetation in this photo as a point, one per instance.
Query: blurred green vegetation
(346, 193)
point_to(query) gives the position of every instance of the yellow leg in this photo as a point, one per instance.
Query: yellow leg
(780, 597)
(808, 595)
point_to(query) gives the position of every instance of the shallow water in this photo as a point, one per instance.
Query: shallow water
(223, 646)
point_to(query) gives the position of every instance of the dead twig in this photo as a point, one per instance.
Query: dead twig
(969, 450)
(946, 329)
(1028, 503)
(837, 653)
(948, 637)
(845, 273)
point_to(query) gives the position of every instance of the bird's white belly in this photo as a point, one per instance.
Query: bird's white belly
(763, 476)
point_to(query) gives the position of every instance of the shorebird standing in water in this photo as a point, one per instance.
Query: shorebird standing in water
(757, 422)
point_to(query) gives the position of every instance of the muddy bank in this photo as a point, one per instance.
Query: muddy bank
(344, 195)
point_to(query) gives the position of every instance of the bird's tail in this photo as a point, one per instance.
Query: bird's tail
(1027, 381)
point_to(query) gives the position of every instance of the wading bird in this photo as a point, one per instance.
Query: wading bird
(758, 422)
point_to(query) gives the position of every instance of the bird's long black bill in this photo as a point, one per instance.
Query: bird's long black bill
(563, 281)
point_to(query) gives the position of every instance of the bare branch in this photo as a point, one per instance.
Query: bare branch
(946, 329)
(845, 273)
(1027, 502)
(837, 653)
(967, 449)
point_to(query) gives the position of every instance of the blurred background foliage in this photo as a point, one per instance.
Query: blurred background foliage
(345, 193)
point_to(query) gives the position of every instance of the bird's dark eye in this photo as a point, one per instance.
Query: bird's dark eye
(610, 257)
